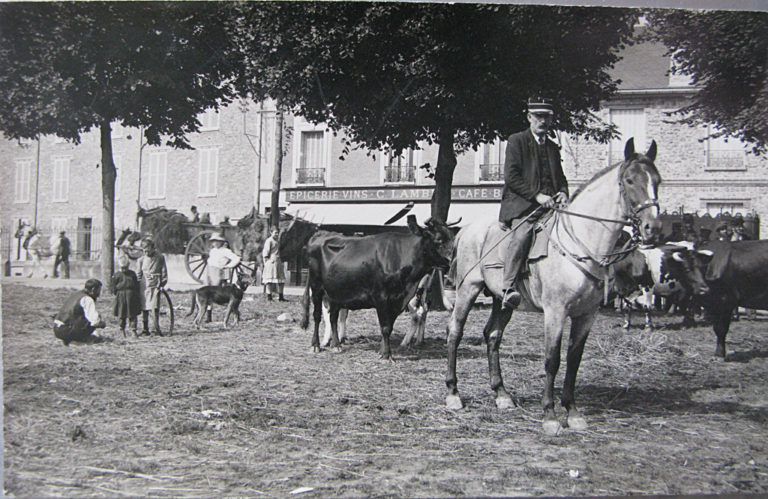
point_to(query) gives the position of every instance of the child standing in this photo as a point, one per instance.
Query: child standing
(154, 274)
(125, 287)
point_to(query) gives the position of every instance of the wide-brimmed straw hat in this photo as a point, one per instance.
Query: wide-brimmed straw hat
(217, 237)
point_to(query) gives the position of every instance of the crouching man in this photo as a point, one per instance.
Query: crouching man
(78, 317)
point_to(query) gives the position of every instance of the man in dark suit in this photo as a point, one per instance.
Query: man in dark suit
(62, 255)
(533, 178)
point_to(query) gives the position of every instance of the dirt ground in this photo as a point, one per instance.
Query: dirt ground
(252, 412)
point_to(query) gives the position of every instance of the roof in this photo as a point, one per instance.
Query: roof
(643, 66)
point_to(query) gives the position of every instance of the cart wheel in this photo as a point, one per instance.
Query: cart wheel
(246, 268)
(196, 255)
(166, 313)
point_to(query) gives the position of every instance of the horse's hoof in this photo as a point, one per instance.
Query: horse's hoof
(453, 402)
(577, 423)
(336, 349)
(504, 402)
(316, 350)
(551, 427)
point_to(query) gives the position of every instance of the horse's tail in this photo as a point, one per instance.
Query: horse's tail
(305, 307)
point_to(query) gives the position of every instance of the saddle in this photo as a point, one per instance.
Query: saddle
(497, 234)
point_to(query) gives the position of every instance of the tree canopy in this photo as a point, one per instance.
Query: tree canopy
(69, 67)
(726, 55)
(391, 75)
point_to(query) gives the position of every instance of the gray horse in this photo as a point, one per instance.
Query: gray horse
(568, 282)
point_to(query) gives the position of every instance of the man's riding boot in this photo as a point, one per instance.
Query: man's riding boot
(514, 257)
(281, 297)
(269, 296)
(208, 315)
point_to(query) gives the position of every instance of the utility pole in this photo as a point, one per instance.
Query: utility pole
(138, 193)
(37, 181)
(274, 214)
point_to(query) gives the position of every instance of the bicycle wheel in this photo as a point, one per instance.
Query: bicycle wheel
(166, 313)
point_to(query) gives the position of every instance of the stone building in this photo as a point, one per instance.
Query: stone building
(56, 185)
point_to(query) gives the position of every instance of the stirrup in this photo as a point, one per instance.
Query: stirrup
(511, 299)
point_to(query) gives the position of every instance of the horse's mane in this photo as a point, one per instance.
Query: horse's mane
(621, 164)
(596, 176)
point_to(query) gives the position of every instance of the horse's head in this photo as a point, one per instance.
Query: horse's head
(639, 183)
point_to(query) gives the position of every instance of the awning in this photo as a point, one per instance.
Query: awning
(378, 213)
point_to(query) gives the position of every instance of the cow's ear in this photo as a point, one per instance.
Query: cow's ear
(413, 226)
(718, 264)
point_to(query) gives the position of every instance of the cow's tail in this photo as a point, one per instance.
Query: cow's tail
(193, 305)
(305, 307)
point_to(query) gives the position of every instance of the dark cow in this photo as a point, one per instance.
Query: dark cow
(735, 274)
(380, 271)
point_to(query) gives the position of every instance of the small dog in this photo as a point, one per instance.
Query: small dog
(230, 295)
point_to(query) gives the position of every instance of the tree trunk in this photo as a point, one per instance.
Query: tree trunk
(108, 205)
(274, 212)
(441, 199)
(446, 164)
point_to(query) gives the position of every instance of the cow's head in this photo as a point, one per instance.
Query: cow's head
(438, 240)
(639, 182)
(687, 266)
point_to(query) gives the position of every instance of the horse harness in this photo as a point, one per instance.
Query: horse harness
(604, 261)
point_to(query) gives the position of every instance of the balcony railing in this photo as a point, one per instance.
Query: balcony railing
(396, 174)
(310, 176)
(726, 160)
(491, 173)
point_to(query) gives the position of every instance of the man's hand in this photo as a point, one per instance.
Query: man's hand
(561, 198)
(544, 200)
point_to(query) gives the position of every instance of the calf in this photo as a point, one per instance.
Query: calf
(380, 271)
(725, 275)
(230, 295)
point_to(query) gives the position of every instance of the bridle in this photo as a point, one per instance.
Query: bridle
(631, 218)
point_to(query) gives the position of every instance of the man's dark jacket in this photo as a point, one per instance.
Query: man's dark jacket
(521, 174)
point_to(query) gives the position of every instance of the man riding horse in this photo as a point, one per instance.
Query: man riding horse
(533, 177)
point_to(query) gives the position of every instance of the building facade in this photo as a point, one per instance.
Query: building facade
(229, 170)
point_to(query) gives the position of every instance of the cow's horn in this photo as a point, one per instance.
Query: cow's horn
(705, 252)
(677, 256)
(451, 224)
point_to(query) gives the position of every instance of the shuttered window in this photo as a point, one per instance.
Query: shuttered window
(208, 171)
(158, 165)
(22, 181)
(60, 180)
(209, 120)
(631, 124)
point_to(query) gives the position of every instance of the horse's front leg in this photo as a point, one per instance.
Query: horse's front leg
(580, 327)
(553, 334)
(493, 332)
(465, 297)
